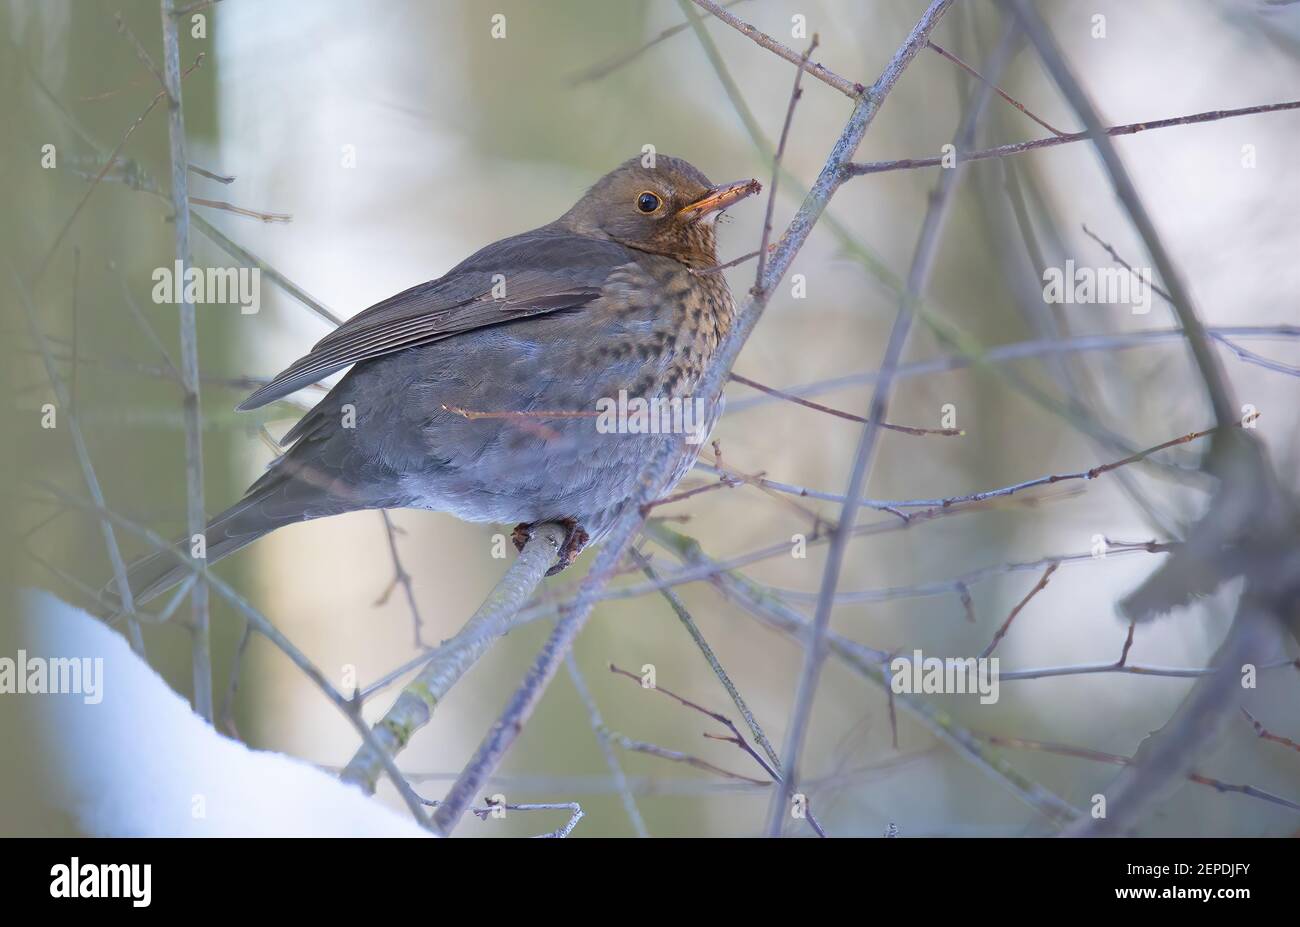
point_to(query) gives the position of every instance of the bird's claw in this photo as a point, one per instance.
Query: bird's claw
(575, 539)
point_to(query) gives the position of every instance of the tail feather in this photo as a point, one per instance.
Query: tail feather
(284, 495)
(318, 476)
(238, 526)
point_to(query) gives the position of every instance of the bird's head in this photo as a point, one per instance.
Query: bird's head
(667, 209)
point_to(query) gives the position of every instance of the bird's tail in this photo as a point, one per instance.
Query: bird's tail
(241, 524)
(291, 491)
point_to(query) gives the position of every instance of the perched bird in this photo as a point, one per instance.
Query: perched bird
(446, 405)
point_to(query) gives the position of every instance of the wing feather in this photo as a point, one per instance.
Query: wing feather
(543, 271)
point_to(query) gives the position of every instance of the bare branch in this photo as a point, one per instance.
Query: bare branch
(603, 736)
(918, 275)
(858, 169)
(414, 707)
(850, 89)
(776, 163)
(240, 210)
(716, 268)
(994, 87)
(613, 63)
(1117, 760)
(683, 615)
(1020, 606)
(1216, 384)
(1018, 350)
(130, 130)
(849, 416)
(868, 663)
(83, 461)
(736, 738)
(143, 55)
(401, 578)
(1266, 734)
(195, 517)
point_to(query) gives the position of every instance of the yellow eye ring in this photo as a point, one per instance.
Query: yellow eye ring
(648, 202)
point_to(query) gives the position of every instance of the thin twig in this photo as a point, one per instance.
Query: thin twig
(676, 756)
(211, 175)
(1155, 287)
(149, 331)
(90, 592)
(1126, 669)
(736, 738)
(195, 7)
(246, 256)
(716, 268)
(226, 714)
(130, 130)
(984, 494)
(614, 62)
(63, 400)
(1116, 759)
(795, 94)
(1014, 351)
(1266, 734)
(195, 519)
(76, 330)
(607, 750)
(994, 87)
(1244, 354)
(493, 809)
(240, 210)
(858, 169)
(683, 615)
(143, 55)
(1020, 606)
(401, 578)
(725, 482)
(850, 89)
(974, 577)
(1128, 645)
(599, 784)
(849, 416)
(853, 246)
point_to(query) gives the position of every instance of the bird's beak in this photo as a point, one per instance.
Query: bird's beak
(719, 198)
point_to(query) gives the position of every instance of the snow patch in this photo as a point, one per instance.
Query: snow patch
(141, 763)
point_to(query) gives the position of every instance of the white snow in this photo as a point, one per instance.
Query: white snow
(141, 763)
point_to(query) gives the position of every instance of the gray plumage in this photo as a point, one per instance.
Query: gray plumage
(553, 320)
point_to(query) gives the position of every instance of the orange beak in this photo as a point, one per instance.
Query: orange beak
(719, 198)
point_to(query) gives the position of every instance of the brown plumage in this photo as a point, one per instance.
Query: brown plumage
(558, 319)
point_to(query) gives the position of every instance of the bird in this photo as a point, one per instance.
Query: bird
(476, 394)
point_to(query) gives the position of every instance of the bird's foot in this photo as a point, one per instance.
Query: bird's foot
(575, 539)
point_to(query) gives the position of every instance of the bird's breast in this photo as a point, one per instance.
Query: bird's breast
(668, 317)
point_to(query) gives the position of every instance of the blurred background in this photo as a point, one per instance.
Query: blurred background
(402, 136)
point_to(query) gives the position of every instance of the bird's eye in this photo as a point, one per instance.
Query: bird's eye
(647, 202)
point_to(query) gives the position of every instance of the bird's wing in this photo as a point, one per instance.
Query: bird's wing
(531, 274)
